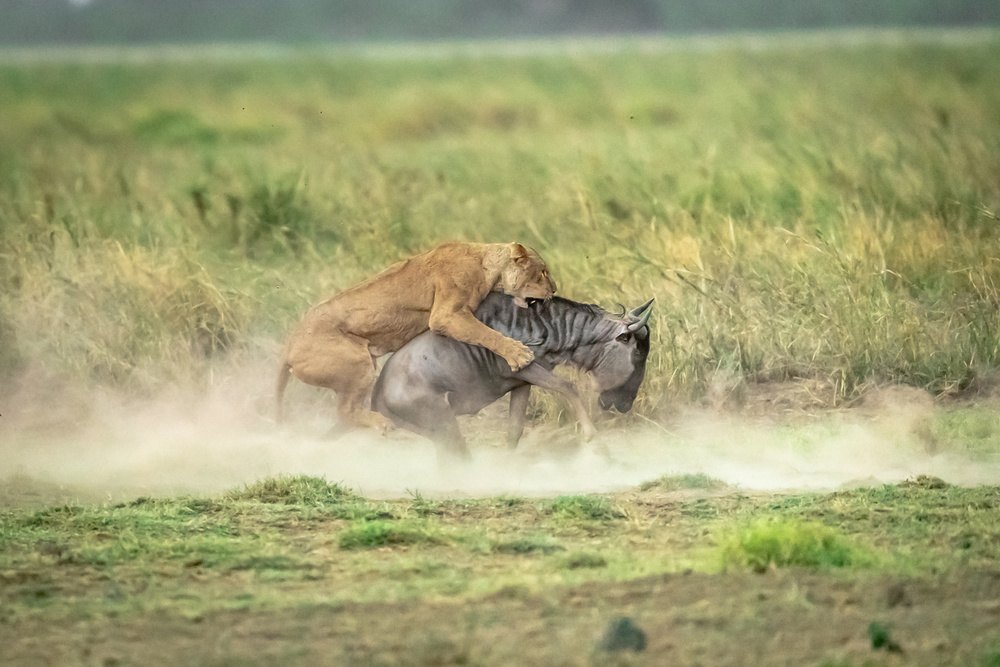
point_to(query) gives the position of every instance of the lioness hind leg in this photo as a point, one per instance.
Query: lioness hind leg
(348, 369)
(352, 409)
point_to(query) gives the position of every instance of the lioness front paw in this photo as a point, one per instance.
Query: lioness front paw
(519, 356)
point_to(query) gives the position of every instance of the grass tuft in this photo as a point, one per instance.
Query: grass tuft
(293, 490)
(585, 560)
(681, 482)
(536, 543)
(583, 508)
(791, 542)
(367, 534)
(924, 482)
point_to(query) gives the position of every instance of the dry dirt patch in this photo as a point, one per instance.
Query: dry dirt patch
(777, 618)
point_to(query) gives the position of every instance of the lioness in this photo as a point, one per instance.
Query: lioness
(336, 344)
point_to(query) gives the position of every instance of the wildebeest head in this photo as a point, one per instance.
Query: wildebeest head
(623, 361)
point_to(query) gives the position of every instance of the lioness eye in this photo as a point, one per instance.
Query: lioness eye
(625, 337)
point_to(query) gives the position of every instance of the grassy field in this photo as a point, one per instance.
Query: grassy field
(299, 571)
(799, 212)
(817, 222)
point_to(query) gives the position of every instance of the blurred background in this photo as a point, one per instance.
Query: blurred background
(24, 22)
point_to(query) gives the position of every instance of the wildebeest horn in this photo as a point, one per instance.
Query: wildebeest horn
(641, 321)
(636, 312)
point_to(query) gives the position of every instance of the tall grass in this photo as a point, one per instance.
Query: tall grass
(823, 213)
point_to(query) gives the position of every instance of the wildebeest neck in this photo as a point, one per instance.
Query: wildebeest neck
(557, 329)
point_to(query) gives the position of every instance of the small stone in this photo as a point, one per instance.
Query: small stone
(623, 635)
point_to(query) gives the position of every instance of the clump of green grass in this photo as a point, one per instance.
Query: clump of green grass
(584, 560)
(681, 482)
(535, 543)
(791, 542)
(310, 496)
(924, 482)
(367, 534)
(424, 507)
(583, 508)
(294, 490)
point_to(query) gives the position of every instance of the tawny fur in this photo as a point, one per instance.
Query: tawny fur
(336, 344)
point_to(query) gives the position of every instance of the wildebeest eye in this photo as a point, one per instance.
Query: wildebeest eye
(625, 337)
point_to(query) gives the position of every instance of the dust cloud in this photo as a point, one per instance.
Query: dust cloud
(92, 445)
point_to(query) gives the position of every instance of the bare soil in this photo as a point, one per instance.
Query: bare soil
(775, 618)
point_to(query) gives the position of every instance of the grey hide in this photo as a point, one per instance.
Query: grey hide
(433, 378)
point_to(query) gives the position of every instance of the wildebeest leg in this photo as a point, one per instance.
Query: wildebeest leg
(546, 379)
(518, 413)
(428, 415)
(449, 439)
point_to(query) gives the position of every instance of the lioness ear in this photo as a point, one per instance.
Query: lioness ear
(517, 251)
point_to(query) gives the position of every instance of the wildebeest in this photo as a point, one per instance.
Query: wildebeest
(432, 379)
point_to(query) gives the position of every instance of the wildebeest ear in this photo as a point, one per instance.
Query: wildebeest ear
(518, 251)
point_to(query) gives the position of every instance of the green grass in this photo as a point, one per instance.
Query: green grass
(972, 429)
(582, 508)
(293, 490)
(201, 554)
(922, 523)
(371, 534)
(531, 544)
(825, 213)
(311, 496)
(681, 482)
(786, 542)
(585, 559)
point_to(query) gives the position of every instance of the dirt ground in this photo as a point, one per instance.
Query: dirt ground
(775, 618)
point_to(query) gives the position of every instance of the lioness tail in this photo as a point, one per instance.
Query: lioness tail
(284, 373)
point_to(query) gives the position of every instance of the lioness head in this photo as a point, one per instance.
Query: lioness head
(526, 276)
